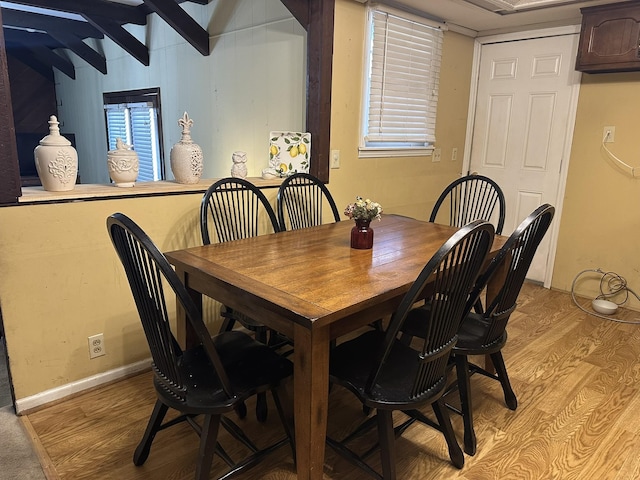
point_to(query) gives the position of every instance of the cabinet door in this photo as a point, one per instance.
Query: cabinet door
(609, 38)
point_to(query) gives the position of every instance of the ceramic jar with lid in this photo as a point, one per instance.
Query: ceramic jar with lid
(56, 160)
(186, 156)
(123, 165)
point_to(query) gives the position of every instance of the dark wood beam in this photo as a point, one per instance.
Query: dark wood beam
(22, 38)
(48, 56)
(182, 23)
(121, 37)
(47, 23)
(10, 188)
(299, 9)
(84, 51)
(319, 73)
(118, 12)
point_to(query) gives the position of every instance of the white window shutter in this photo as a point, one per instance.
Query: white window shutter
(404, 72)
(117, 124)
(145, 141)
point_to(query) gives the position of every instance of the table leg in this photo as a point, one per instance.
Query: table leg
(185, 335)
(311, 399)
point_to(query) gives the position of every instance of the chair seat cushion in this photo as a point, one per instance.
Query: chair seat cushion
(250, 365)
(352, 362)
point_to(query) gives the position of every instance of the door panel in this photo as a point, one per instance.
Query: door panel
(523, 107)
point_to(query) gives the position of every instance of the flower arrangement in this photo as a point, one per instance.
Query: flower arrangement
(363, 209)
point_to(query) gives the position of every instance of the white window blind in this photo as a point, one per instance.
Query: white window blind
(402, 90)
(136, 124)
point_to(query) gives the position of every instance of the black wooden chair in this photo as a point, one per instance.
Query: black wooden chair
(387, 375)
(483, 330)
(302, 199)
(233, 209)
(469, 198)
(209, 379)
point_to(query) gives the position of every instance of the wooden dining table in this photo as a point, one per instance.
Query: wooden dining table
(311, 286)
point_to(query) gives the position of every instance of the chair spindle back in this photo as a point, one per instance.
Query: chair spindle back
(147, 269)
(234, 208)
(473, 197)
(302, 198)
(451, 273)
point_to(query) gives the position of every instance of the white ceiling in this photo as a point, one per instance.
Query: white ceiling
(523, 14)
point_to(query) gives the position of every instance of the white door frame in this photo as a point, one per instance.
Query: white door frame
(575, 92)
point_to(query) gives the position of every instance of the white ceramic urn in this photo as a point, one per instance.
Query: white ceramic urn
(186, 156)
(56, 160)
(123, 165)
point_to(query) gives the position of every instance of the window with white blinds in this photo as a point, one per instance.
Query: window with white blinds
(134, 118)
(403, 71)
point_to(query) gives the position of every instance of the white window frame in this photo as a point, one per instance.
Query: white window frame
(420, 141)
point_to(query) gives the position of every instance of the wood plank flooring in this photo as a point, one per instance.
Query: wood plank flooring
(577, 378)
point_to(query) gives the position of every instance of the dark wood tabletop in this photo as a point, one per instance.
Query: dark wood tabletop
(311, 286)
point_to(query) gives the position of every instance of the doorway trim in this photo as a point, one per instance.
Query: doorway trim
(566, 155)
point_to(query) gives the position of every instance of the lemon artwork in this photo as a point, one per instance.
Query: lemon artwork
(289, 153)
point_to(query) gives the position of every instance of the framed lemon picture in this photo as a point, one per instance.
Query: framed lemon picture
(289, 152)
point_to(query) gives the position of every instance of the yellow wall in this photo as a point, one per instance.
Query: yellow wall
(405, 185)
(61, 281)
(600, 225)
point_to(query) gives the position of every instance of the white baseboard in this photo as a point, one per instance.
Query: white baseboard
(42, 398)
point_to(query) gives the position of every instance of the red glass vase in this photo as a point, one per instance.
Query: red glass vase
(362, 235)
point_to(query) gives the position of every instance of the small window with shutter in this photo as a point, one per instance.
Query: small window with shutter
(134, 117)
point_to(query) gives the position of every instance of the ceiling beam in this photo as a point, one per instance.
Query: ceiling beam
(47, 23)
(182, 23)
(81, 49)
(121, 37)
(48, 56)
(68, 33)
(299, 9)
(118, 12)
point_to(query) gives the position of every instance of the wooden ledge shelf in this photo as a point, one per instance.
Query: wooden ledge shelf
(86, 192)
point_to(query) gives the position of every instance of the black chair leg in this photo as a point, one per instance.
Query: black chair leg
(501, 371)
(466, 407)
(387, 444)
(285, 423)
(155, 422)
(261, 407)
(442, 414)
(227, 324)
(208, 438)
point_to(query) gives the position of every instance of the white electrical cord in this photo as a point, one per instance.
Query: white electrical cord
(610, 153)
(615, 284)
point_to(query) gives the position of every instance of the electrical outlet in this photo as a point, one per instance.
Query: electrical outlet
(609, 134)
(96, 345)
(436, 155)
(335, 158)
(454, 154)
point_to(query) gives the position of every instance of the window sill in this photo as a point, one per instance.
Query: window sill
(377, 152)
(88, 192)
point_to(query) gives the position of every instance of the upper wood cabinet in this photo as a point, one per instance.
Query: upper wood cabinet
(610, 38)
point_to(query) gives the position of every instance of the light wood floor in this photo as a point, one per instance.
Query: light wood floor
(577, 378)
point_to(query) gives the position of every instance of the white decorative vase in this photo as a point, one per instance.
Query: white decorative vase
(186, 156)
(123, 165)
(56, 160)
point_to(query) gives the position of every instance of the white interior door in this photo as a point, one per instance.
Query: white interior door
(524, 115)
